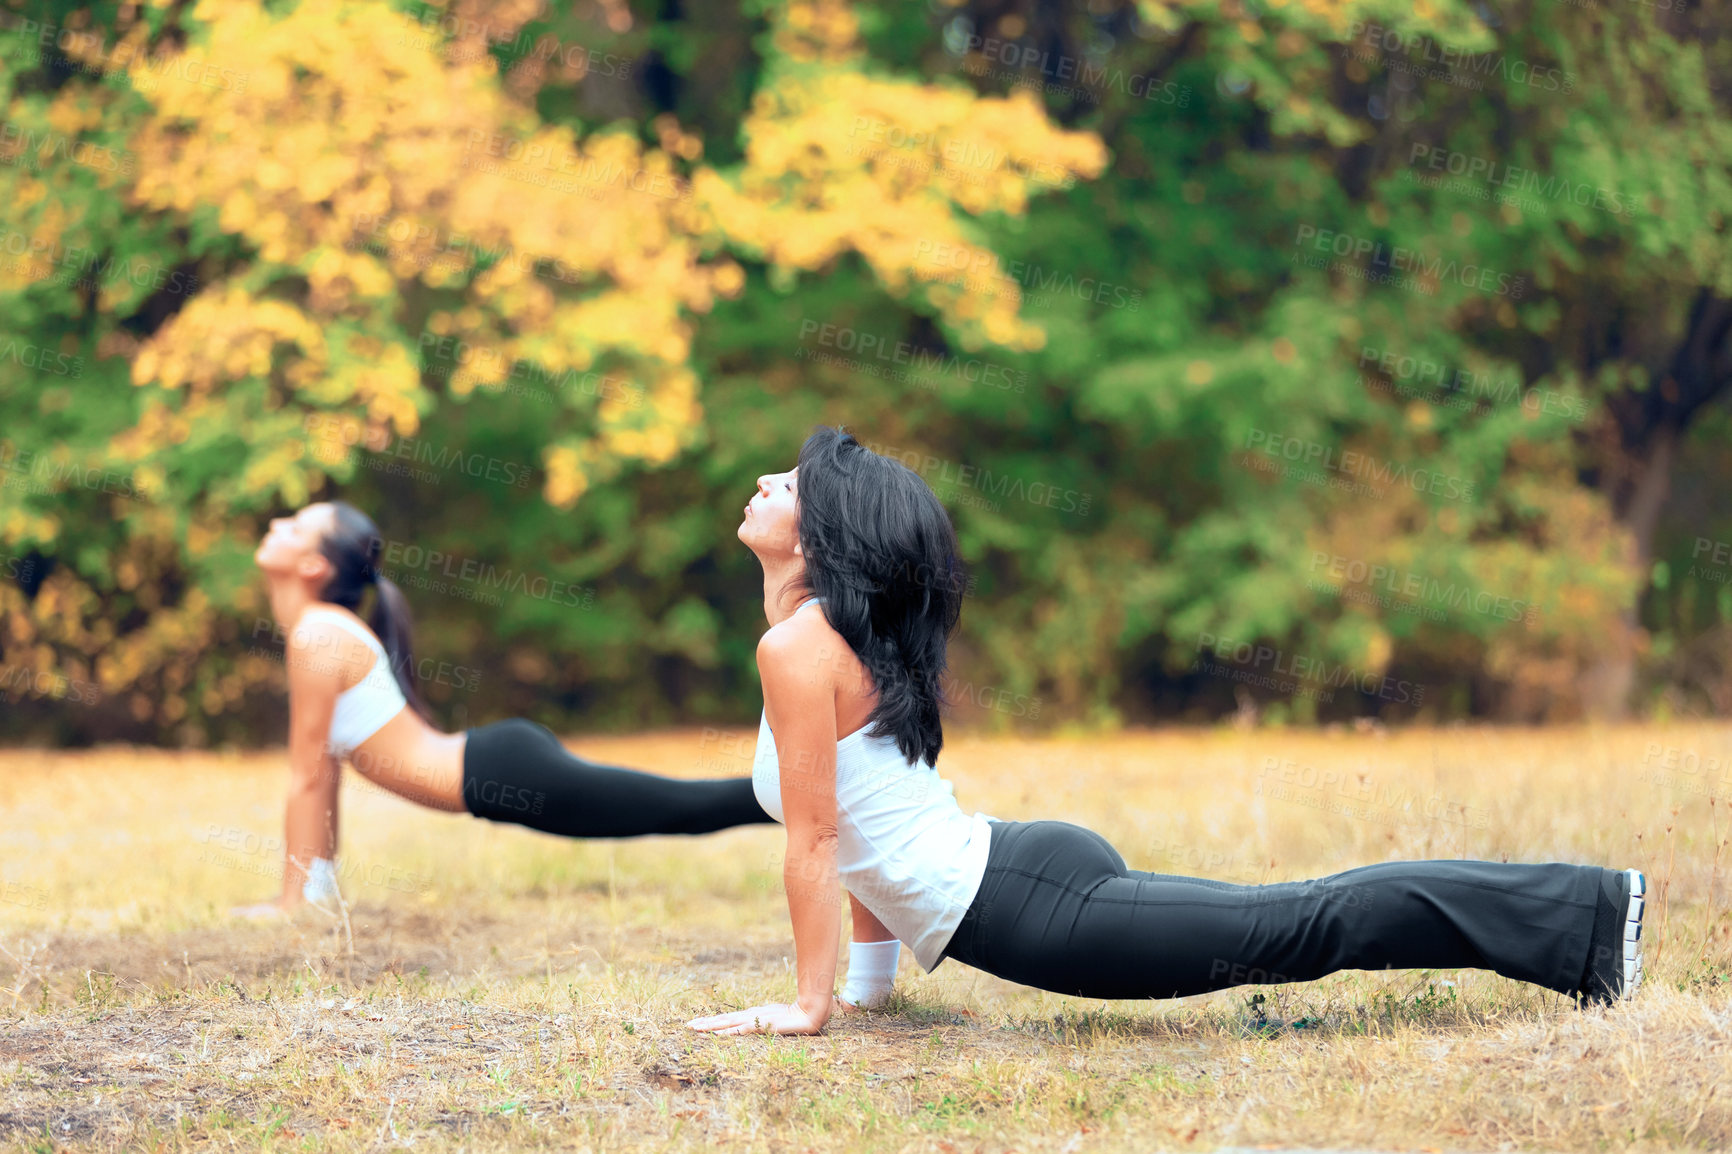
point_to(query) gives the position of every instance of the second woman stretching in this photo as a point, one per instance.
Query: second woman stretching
(352, 697)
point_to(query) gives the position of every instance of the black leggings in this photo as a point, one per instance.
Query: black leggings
(1058, 910)
(517, 771)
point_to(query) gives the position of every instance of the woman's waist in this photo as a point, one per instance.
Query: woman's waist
(408, 746)
(906, 855)
(920, 897)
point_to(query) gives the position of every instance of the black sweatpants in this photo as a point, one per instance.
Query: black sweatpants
(1058, 910)
(517, 771)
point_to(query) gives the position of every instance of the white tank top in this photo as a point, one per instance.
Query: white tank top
(363, 708)
(905, 849)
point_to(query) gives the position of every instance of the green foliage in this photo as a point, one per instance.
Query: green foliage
(1351, 354)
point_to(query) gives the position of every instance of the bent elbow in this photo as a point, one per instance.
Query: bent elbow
(817, 840)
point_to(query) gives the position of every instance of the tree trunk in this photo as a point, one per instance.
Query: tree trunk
(1650, 423)
(1605, 685)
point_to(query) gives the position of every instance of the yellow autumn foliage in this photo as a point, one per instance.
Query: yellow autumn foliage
(340, 130)
(839, 160)
(344, 171)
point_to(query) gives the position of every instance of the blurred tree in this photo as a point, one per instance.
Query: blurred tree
(319, 194)
(1498, 200)
(1368, 350)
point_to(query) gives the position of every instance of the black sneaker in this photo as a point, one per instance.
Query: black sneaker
(1614, 970)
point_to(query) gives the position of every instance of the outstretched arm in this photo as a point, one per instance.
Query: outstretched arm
(803, 705)
(310, 815)
(310, 823)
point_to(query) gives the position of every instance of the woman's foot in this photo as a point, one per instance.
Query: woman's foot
(320, 889)
(1614, 971)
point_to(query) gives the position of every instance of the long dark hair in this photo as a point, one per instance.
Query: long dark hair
(881, 552)
(353, 547)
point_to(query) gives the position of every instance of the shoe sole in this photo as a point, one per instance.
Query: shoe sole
(1632, 970)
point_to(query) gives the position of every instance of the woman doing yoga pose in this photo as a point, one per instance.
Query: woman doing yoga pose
(862, 590)
(352, 696)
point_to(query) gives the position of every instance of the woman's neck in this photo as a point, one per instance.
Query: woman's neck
(289, 599)
(783, 589)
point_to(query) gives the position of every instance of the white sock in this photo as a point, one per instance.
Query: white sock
(320, 888)
(871, 973)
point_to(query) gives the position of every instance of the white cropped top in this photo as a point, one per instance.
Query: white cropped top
(905, 848)
(363, 708)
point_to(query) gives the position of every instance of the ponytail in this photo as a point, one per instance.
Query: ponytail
(353, 547)
(391, 621)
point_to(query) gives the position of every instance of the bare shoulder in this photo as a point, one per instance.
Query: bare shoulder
(795, 638)
(326, 622)
(805, 650)
(322, 653)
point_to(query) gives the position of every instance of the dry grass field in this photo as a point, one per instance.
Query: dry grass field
(496, 989)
